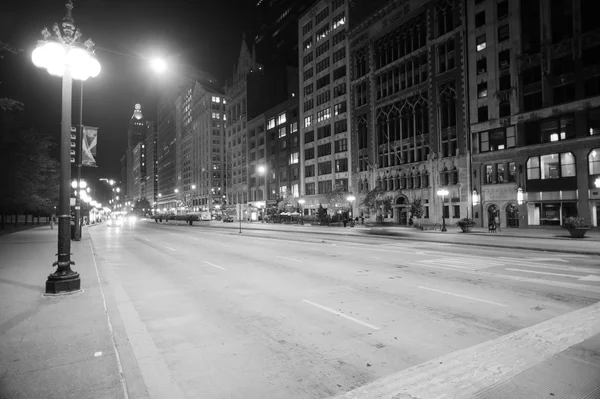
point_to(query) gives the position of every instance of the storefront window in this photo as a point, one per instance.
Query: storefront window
(551, 166)
(550, 214)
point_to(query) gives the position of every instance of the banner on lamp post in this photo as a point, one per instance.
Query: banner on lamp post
(89, 142)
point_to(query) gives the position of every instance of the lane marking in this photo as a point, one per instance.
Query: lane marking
(464, 373)
(586, 278)
(213, 265)
(97, 354)
(169, 248)
(462, 296)
(325, 308)
(110, 327)
(284, 257)
(546, 260)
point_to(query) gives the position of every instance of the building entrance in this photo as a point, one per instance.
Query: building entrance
(512, 216)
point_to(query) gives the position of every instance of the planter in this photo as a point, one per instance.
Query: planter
(465, 227)
(578, 232)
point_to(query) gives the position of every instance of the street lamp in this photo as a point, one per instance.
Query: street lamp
(262, 170)
(443, 193)
(63, 55)
(301, 201)
(351, 199)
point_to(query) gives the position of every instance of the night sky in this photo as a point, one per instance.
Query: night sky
(202, 34)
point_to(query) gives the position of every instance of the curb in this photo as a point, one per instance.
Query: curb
(391, 235)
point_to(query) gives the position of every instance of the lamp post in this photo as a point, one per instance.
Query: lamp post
(262, 170)
(301, 201)
(351, 199)
(63, 55)
(443, 193)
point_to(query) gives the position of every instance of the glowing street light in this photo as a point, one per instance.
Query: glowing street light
(443, 193)
(159, 65)
(65, 56)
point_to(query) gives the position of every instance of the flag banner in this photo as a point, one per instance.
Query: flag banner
(88, 146)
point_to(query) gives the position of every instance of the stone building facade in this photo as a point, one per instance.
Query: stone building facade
(409, 108)
(534, 75)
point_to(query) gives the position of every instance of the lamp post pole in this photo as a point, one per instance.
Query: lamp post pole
(78, 160)
(64, 56)
(443, 193)
(301, 201)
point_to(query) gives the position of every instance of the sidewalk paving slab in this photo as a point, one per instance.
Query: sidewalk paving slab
(52, 346)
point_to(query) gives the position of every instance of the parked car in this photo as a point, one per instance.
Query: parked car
(228, 219)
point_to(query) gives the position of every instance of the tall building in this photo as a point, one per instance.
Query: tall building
(138, 170)
(166, 156)
(534, 77)
(408, 100)
(208, 159)
(150, 179)
(136, 133)
(237, 94)
(324, 117)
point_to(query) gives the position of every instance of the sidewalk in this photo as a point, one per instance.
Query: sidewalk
(536, 239)
(52, 347)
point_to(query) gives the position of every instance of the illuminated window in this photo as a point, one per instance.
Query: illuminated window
(294, 127)
(481, 43)
(324, 115)
(216, 99)
(271, 123)
(282, 132)
(339, 20)
(294, 158)
(281, 118)
(308, 120)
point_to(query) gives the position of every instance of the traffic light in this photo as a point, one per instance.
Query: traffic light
(73, 144)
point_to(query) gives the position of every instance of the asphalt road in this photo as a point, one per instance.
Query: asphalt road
(211, 313)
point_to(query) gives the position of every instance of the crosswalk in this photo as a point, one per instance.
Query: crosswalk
(542, 267)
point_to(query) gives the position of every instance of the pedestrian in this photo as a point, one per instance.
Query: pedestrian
(52, 217)
(345, 222)
(497, 223)
(362, 219)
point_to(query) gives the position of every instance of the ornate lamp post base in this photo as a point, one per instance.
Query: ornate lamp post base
(63, 283)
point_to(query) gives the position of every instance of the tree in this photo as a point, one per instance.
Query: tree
(286, 202)
(417, 209)
(337, 198)
(321, 214)
(141, 206)
(377, 200)
(9, 104)
(30, 177)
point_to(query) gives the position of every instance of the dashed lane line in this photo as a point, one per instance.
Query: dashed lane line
(462, 296)
(285, 257)
(213, 265)
(345, 316)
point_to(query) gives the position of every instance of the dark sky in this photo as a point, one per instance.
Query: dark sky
(202, 34)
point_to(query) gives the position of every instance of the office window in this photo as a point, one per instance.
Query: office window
(339, 20)
(339, 55)
(480, 19)
(321, 49)
(322, 33)
(482, 114)
(500, 172)
(294, 127)
(308, 73)
(339, 72)
(323, 131)
(307, 28)
(282, 132)
(309, 171)
(309, 153)
(216, 99)
(294, 158)
(283, 144)
(322, 65)
(480, 43)
(339, 108)
(457, 211)
(446, 56)
(323, 81)
(335, 4)
(341, 126)
(307, 43)
(341, 165)
(308, 120)
(325, 187)
(309, 137)
(339, 90)
(557, 129)
(504, 82)
(307, 59)
(482, 90)
(341, 145)
(489, 177)
(481, 66)
(320, 17)
(503, 33)
(323, 115)
(338, 37)
(502, 9)
(504, 108)
(593, 121)
(324, 168)
(512, 172)
(308, 105)
(324, 149)
(308, 89)
(281, 118)
(271, 123)
(309, 188)
(504, 59)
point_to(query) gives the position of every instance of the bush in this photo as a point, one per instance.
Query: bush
(465, 222)
(575, 223)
